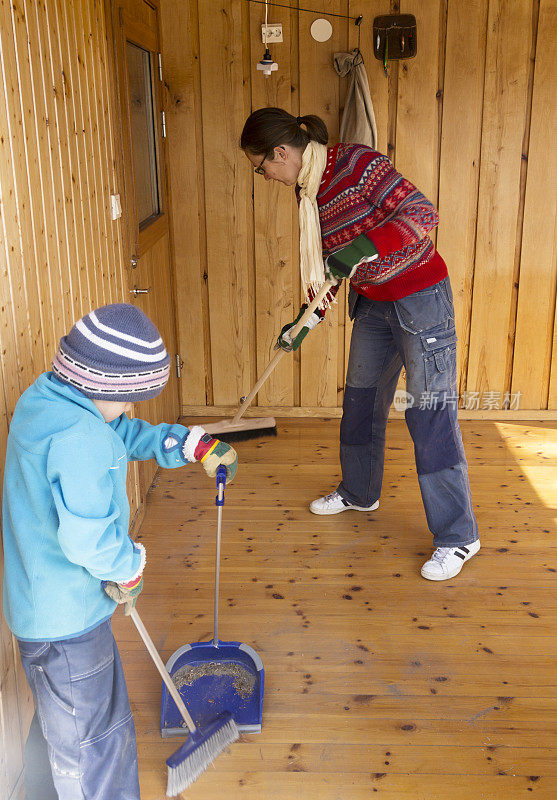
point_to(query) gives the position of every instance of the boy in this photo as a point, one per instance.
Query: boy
(68, 556)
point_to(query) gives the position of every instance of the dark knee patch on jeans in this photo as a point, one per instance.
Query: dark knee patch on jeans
(356, 426)
(434, 442)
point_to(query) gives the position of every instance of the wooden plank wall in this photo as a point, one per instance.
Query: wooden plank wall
(60, 251)
(469, 120)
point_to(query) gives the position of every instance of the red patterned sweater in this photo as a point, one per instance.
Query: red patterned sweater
(361, 192)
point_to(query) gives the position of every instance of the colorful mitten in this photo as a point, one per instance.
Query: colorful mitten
(126, 593)
(200, 446)
(344, 263)
(285, 341)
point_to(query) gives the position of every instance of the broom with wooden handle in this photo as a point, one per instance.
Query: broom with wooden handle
(236, 429)
(203, 744)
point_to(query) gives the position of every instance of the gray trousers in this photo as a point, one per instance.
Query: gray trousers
(419, 333)
(83, 732)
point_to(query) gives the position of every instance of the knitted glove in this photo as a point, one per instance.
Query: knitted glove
(126, 593)
(345, 262)
(285, 341)
(200, 446)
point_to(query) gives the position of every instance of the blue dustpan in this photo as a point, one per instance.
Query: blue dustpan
(214, 677)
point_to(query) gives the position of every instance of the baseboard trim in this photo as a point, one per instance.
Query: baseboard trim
(286, 412)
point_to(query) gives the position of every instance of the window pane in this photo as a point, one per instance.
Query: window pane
(143, 132)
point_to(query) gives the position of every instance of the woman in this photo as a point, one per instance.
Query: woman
(361, 220)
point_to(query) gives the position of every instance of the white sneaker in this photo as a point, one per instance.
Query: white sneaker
(446, 562)
(333, 504)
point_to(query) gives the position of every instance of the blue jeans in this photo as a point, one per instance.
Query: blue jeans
(419, 332)
(84, 717)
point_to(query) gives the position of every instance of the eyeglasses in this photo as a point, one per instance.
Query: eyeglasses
(259, 170)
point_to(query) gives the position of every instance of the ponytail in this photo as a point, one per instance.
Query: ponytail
(316, 128)
(268, 128)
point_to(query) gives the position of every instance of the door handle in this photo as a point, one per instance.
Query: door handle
(135, 291)
(133, 261)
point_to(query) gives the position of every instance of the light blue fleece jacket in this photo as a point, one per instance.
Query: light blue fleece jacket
(66, 511)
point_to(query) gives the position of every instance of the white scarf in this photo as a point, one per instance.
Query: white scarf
(314, 161)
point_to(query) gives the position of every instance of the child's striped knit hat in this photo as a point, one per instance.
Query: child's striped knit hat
(113, 353)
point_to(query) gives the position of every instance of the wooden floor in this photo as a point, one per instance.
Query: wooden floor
(377, 681)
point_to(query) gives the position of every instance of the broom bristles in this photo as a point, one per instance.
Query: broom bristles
(247, 435)
(197, 752)
(244, 429)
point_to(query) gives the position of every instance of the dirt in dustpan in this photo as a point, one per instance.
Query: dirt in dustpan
(244, 680)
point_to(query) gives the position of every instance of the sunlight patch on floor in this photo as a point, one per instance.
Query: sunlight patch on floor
(531, 444)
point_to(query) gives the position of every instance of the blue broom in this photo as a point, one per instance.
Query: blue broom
(203, 744)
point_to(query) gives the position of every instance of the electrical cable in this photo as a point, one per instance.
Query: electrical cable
(266, 11)
(357, 20)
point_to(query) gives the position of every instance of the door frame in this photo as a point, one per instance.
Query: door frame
(136, 242)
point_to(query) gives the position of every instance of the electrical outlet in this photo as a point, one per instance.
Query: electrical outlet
(274, 33)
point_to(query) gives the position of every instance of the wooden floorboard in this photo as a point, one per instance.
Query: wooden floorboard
(378, 683)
